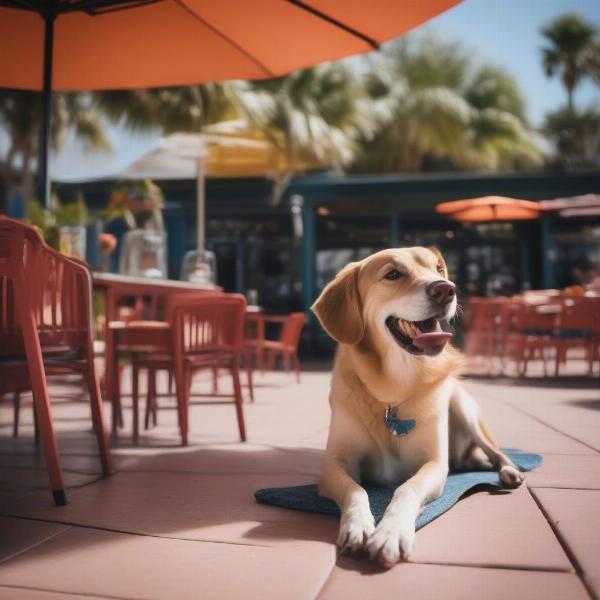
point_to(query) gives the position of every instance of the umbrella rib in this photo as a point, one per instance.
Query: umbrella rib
(321, 15)
(226, 38)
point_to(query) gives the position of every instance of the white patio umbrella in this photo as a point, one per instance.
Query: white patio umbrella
(229, 149)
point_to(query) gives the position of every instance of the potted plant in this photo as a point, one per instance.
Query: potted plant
(139, 204)
(63, 227)
(71, 219)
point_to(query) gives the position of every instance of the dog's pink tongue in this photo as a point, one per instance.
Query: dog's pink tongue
(426, 341)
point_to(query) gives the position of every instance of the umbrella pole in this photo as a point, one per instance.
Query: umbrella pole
(200, 206)
(44, 150)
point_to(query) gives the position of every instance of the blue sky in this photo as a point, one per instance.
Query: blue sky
(505, 33)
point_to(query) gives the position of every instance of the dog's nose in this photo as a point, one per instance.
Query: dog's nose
(442, 292)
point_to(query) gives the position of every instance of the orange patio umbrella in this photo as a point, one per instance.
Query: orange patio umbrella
(490, 208)
(124, 44)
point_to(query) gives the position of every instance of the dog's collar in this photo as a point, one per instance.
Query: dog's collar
(398, 426)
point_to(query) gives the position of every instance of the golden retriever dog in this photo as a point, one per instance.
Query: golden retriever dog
(398, 410)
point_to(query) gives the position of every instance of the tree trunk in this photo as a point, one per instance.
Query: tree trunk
(570, 98)
(26, 175)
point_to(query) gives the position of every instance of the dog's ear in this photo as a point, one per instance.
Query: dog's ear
(439, 256)
(339, 307)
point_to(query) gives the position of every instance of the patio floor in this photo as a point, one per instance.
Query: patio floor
(182, 522)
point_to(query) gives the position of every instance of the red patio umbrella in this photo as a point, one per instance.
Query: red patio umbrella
(490, 208)
(117, 44)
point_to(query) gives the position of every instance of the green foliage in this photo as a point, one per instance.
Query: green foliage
(310, 115)
(71, 213)
(571, 52)
(168, 109)
(432, 107)
(576, 135)
(49, 222)
(21, 115)
(138, 203)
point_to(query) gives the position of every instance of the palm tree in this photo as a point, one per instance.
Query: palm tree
(310, 115)
(433, 109)
(168, 109)
(20, 114)
(576, 135)
(571, 40)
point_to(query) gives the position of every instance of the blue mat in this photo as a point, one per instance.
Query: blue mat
(307, 499)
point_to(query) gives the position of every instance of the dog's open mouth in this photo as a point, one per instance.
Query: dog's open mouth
(419, 337)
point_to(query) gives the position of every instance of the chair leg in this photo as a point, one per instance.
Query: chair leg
(117, 409)
(171, 382)
(250, 376)
(260, 359)
(182, 402)
(154, 406)
(135, 375)
(149, 396)
(36, 429)
(286, 360)
(17, 411)
(97, 414)
(237, 389)
(41, 399)
(559, 355)
(215, 374)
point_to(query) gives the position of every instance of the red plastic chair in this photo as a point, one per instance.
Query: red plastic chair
(527, 331)
(206, 333)
(140, 329)
(481, 327)
(578, 327)
(149, 345)
(45, 327)
(287, 344)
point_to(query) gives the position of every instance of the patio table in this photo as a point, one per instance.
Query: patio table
(144, 335)
(136, 333)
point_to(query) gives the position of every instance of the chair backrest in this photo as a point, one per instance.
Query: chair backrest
(580, 315)
(136, 303)
(214, 323)
(56, 289)
(292, 329)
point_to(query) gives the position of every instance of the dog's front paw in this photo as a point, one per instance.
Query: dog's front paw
(511, 476)
(355, 529)
(391, 542)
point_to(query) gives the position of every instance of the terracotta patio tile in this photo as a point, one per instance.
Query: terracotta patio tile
(144, 568)
(502, 408)
(18, 535)
(37, 477)
(353, 579)
(225, 459)
(576, 515)
(186, 506)
(564, 471)
(574, 411)
(503, 529)
(23, 593)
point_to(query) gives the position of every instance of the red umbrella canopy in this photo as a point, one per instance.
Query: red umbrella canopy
(490, 208)
(98, 45)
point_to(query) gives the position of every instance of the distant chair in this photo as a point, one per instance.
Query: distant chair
(205, 333)
(480, 323)
(527, 332)
(286, 346)
(136, 314)
(578, 327)
(45, 327)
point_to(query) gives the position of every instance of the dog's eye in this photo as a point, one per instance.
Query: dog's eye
(441, 269)
(392, 275)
